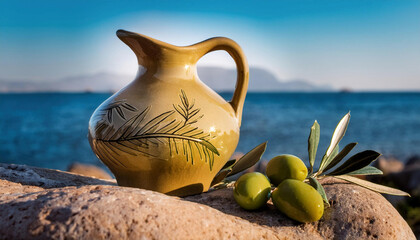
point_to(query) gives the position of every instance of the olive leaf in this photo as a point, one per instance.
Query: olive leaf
(313, 142)
(315, 184)
(235, 166)
(229, 164)
(346, 150)
(222, 174)
(368, 170)
(356, 162)
(372, 186)
(329, 159)
(335, 152)
(249, 159)
(338, 134)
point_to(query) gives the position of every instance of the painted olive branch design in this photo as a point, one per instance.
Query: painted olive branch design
(135, 135)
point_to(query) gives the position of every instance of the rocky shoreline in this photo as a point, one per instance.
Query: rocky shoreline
(42, 203)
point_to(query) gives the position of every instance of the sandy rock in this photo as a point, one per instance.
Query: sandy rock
(45, 203)
(355, 213)
(88, 170)
(46, 178)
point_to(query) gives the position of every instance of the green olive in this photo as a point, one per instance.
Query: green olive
(298, 201)
(252, 190)
(285, 167)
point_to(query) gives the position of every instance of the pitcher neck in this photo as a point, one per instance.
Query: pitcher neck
(167, 71)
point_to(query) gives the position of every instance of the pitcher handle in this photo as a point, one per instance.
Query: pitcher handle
(235, 51)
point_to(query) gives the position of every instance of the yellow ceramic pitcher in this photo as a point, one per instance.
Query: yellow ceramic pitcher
(167, 131)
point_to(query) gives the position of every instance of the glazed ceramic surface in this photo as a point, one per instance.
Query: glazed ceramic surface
(167, 131)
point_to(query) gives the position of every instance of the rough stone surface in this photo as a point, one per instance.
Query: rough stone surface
(40, 203)
(88, 170)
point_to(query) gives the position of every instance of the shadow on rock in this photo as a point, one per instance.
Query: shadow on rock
(223, 201)
(46, 178)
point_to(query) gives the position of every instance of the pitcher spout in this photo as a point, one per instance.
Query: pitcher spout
(147, 50)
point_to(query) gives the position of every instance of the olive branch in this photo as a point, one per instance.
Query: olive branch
(357, 164)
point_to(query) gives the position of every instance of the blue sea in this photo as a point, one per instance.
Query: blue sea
(50, 129)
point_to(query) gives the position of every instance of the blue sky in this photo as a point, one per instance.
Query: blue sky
(364, 45)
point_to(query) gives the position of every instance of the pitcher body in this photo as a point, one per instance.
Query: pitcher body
(167, 131)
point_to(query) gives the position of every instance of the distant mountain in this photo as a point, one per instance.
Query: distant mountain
(219, 79)
(100, 82)
(260, 80)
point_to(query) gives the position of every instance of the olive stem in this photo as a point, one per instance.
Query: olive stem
(317, 174)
